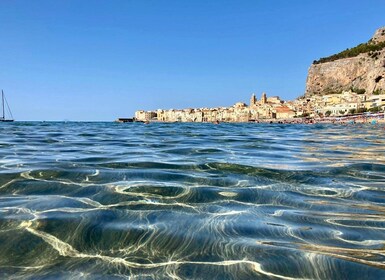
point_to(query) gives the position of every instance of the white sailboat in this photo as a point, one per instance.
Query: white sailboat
(5, 106)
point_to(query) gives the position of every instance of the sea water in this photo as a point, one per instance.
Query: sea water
(191, 201)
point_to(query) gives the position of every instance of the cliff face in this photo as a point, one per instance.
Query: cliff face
(365, 71)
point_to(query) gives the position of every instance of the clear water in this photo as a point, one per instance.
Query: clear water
(191, 201)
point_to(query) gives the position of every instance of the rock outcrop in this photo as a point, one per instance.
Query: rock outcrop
(363, 72)
(379, 36)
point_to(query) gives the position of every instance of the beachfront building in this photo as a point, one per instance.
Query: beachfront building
(339, 109)
(284, 112)
(347, 102)
(337, 104)
(145, 115)
(265, 108)
(271, 108)
(373, 101)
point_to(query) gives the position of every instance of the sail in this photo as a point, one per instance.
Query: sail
(5, 108)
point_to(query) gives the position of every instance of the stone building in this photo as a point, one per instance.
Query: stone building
(266, 108)
(264, 98)
(253, 100)
(145, 115)
(284, 112)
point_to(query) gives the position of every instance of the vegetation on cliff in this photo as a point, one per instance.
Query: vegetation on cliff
(370, 47)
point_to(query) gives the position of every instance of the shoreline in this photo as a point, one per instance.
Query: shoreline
(353, 119)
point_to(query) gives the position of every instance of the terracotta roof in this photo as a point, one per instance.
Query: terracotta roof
(283, 109)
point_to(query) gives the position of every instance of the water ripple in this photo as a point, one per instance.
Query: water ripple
(191, 201)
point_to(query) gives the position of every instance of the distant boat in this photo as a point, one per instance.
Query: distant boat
(4, 104)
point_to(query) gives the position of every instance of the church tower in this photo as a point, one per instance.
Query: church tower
(253, 100)
(264, 98)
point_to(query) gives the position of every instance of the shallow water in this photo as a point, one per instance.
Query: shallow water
(191, 201)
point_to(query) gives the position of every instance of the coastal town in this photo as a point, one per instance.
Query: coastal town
(346, 86)
(273, 109)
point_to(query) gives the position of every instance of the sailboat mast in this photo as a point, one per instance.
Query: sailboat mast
(2, 99)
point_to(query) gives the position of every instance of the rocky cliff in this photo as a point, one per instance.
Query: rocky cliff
(361, 69)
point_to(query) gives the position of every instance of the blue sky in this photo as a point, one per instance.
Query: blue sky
(103, 59)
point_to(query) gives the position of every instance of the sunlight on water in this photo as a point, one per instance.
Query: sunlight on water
(191, 201)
